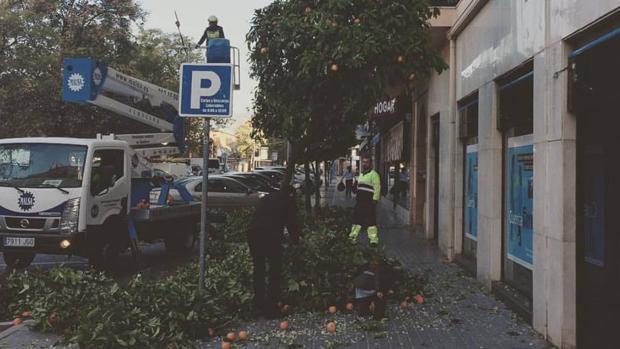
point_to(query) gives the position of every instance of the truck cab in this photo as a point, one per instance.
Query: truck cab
(58, 195)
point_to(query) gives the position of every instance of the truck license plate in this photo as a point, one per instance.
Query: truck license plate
(18, 242)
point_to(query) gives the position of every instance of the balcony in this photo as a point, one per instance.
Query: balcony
(444, 3)
(441, 24)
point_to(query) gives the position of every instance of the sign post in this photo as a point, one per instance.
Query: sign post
(206, 92)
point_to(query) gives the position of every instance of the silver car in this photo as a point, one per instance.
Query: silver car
(223, 192)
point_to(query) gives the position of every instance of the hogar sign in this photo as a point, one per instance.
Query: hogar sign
(386, 107)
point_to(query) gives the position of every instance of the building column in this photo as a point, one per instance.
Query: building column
(490, 150)
(446, 165)
(413, 165)
(555, 173)
(429, 212)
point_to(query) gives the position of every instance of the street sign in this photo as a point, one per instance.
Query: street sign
(206, 90)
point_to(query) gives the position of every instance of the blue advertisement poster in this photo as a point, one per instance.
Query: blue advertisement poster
(519, 199)
(471, 192)
(594, 206)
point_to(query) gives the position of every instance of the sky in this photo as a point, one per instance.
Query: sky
(234, 16)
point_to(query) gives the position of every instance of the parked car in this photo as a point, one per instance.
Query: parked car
(271, 168)
(253, 181)
(275, 176)
(223, 192)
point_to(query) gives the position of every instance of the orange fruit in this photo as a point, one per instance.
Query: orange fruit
(332, 309)
(243, 336)
(284, 325)
(331, 327)
(231, 336)
(349, 306)
(211, 332)
(226, 345)
(334, 67)
(357, 21)
(400, 59)
(308, 9)
(264, 50)
(404, 305)
(52, 318)
(16, 321)
(419, 299)
(26, 314)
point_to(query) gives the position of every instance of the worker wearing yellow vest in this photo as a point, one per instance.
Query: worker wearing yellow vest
(368, 195)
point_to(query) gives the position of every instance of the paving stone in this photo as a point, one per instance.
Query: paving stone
(459, 312)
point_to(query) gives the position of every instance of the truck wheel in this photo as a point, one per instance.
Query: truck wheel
(104, 253)
(180, 242)
(104, 256)
(18, 260)
(183, 240)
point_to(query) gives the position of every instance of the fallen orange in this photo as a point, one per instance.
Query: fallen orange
(284, 325)
(231, 336)
(419, 299)
(332, 309)
(331, 327)
(243, 336)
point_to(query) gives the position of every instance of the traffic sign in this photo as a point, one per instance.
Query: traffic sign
(206, 90)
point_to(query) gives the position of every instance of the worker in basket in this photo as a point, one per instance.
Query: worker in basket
(213, 31)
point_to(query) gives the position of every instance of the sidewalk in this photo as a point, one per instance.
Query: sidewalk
(458, 312)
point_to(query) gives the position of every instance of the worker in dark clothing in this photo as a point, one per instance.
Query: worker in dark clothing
(265, 237)
(213, 31)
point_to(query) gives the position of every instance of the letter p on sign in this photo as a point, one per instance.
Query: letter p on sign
(198, 79)
(206, 90)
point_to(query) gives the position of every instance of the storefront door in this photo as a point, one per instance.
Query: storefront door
(598, 252)
(595, 102)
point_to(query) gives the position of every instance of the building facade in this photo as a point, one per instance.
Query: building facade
(512, 158)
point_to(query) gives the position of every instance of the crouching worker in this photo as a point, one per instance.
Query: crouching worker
(265, 237)
(369, 298)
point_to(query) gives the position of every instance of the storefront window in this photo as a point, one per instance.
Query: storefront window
(468, 133)
(516, 122)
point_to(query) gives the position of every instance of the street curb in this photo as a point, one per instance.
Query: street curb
(12, 328)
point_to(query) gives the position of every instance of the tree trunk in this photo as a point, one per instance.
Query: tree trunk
(317, 188)
(290, 164)
(307, 185)
(326, 173)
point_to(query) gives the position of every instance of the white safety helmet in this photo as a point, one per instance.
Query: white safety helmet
(212, 19)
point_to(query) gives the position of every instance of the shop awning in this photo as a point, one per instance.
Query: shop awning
(594, 43)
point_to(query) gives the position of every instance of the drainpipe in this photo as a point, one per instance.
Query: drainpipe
(452, 148)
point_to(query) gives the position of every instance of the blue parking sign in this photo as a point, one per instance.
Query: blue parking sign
(206, 90)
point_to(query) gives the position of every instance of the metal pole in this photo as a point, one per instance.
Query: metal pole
(203, 211)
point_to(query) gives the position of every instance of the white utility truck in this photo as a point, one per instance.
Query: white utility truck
(90, 197)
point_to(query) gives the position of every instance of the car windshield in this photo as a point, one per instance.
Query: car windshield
(250, 182)
(42, 165)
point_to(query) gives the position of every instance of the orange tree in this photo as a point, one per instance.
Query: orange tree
(322, 64)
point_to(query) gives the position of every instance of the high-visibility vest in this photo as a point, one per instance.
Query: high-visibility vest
(369, 186)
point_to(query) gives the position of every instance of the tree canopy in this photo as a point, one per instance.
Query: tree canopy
(35, 37)
(322, 64)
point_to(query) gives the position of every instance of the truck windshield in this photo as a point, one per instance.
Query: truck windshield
(42, 165)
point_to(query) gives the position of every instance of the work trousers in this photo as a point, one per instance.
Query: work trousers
(266, 260)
